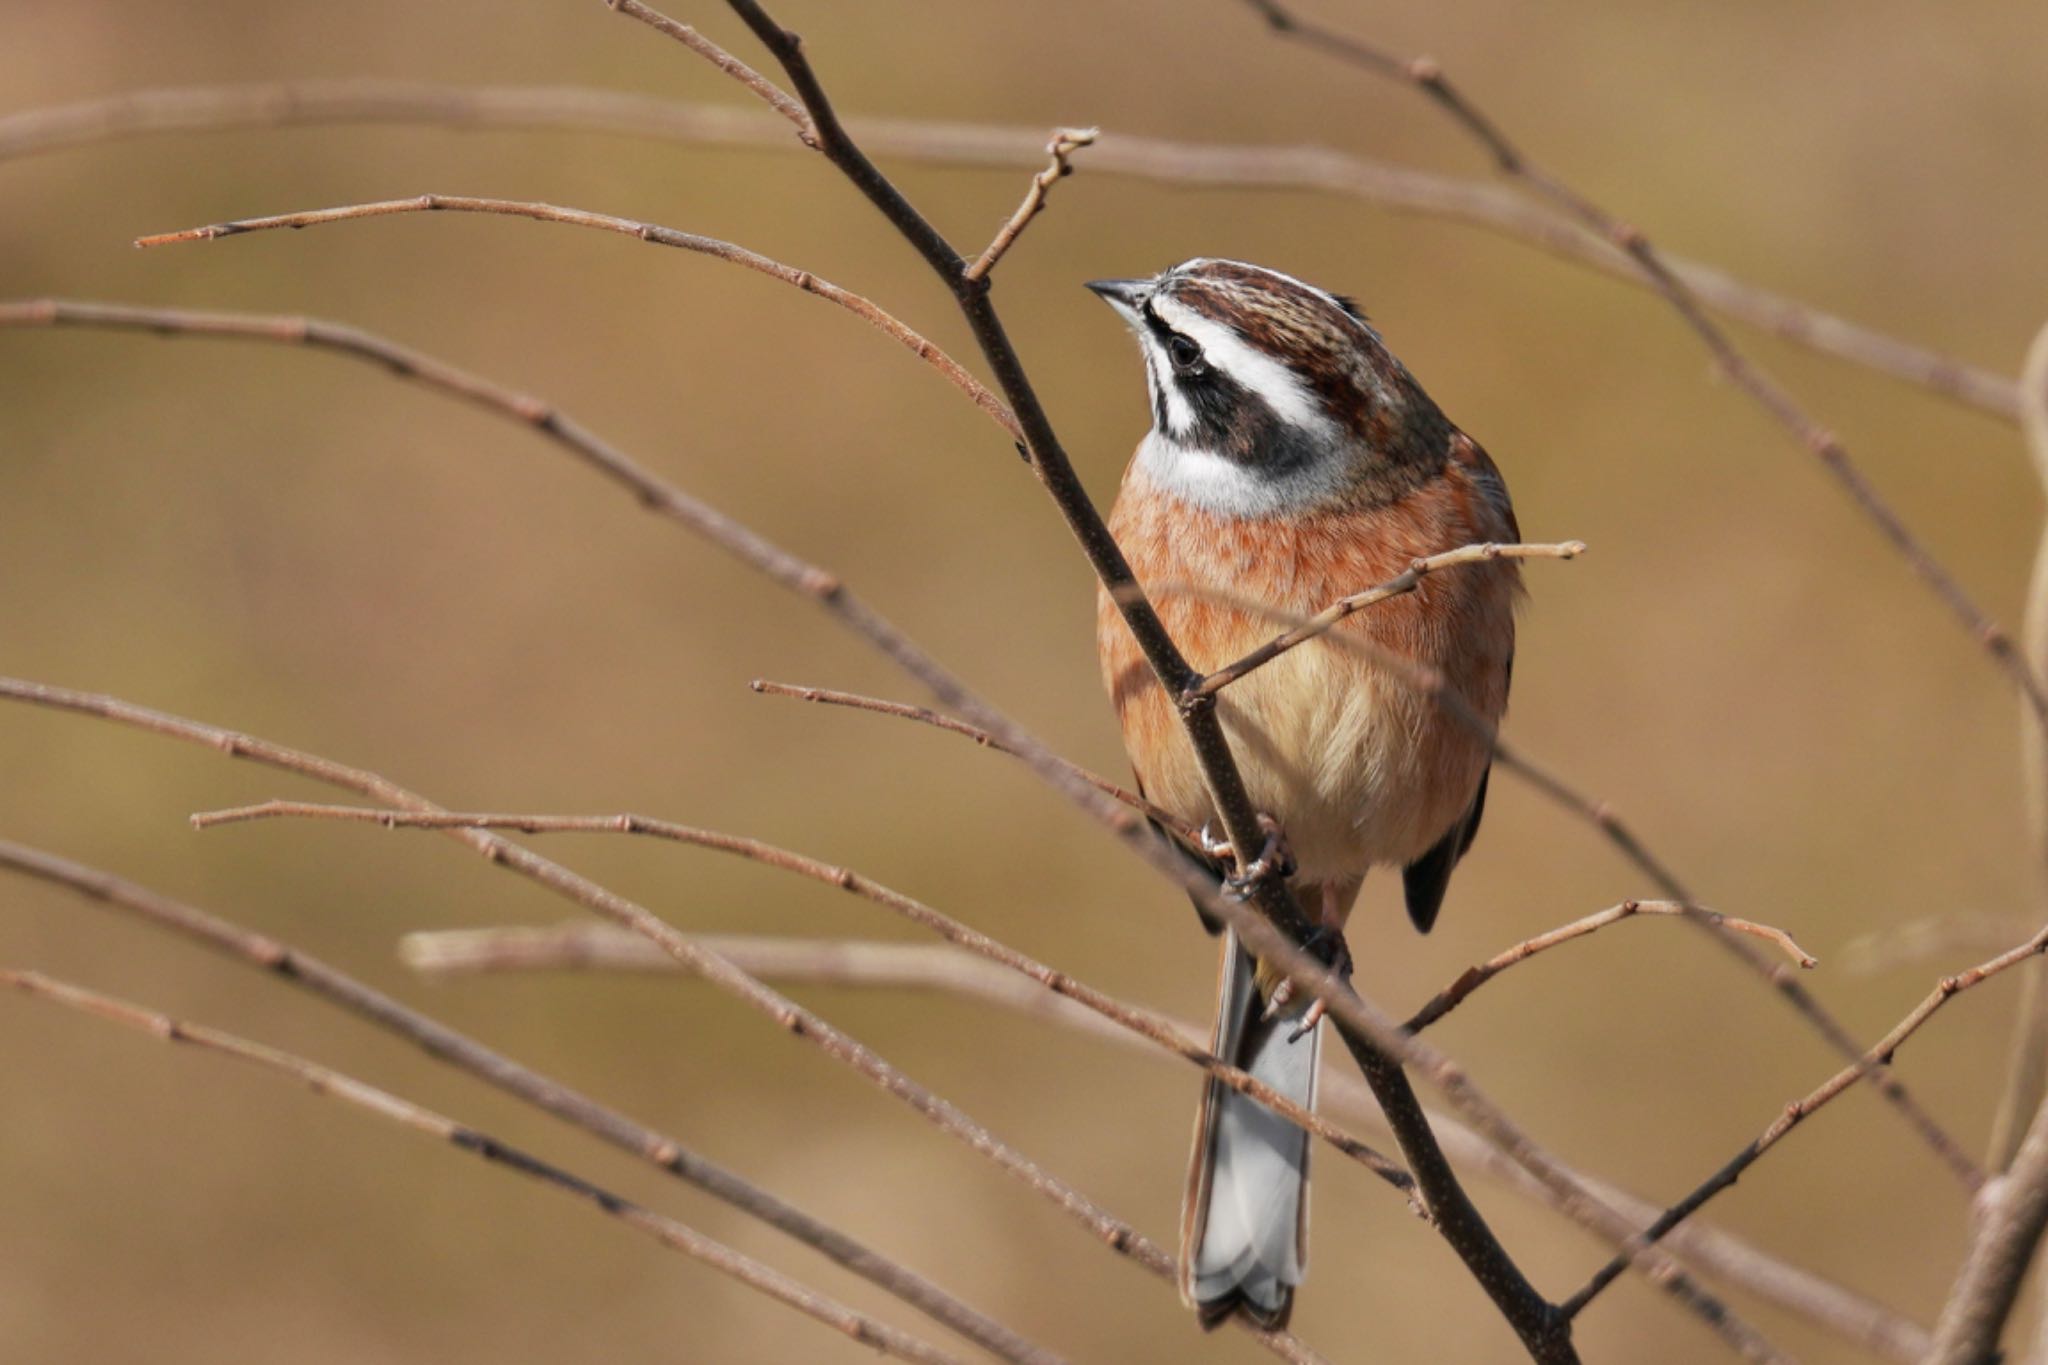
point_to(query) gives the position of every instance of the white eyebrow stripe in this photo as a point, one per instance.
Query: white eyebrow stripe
(1282, 389)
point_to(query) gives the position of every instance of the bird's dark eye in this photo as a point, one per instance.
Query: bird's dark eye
(1186, 355)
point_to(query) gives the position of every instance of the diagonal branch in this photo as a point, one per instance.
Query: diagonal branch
(1797, 1112)
(924, 715)
(1065, 142)
(335, 1085)
(1405, 582)
(1140, 1022)
(439, 1041)
(1603, 817)
(700, 961)
(579, 946)
(1426, 76)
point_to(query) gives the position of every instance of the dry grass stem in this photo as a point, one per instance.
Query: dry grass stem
(1065, 142)
(334, 1085)
(1474, 203)
(437, 1040)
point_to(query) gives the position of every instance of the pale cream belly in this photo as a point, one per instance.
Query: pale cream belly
(1360, 768)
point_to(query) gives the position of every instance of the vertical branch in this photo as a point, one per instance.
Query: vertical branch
(2027, 1073)
(2012, 1213)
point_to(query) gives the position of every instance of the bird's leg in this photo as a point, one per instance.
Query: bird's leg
(1326, 943)
(1275, 859)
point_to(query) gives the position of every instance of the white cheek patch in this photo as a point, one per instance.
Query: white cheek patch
(1222, 485)
(1180, 417)
(1283, 390)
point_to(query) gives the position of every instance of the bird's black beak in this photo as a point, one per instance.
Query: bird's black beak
(1125, 295)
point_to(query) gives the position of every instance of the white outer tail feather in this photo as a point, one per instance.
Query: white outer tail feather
(1245, 1228)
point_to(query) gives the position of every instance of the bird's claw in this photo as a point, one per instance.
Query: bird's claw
(1275, 859)
(1328, 945)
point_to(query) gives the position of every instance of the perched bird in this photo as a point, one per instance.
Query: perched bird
(1292, 461)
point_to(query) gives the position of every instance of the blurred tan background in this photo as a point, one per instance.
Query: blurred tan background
(297, 547)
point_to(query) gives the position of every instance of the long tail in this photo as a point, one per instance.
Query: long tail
(1244, 1226)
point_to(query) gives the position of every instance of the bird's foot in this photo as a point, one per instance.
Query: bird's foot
(1274, 859)
(1327, 946)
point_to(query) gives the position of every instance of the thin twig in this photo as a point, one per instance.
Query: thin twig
(1065, 142)
(437, 1040)
(732, 66)
(1425, 75)
(335, 1085)
(1603, 817)
(1401, 189)
(1455, 994)
(1460, 1222)
(865, 309)
(1797, 1112)
(783, 1012)
(1140, 1022)
(876, 965)
(1405, 582)
(926, 716)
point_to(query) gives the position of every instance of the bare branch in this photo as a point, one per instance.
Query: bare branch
(1603, 817)
(1426, 76)
(1140, 1022)
(2011, 1218)
(2027, 1072)
(865, 309)
(771, 94)
(437, 1040)
(1797, 1112)
(334, 1085)
(1065, 142)
(1400, 189)
(1455, 994)
(926, 716)
(1405, 582)
(863, 963)
(778, 1009)
(1365, 1033)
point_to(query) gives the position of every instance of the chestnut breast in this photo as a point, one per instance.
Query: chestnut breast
(1359, 767)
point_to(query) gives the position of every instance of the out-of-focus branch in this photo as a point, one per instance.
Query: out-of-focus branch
(1426, 76)
(1065, 142)
(1797, 1112)
(1453, 995)
(437, 1040)
(1405, 582)
(961, 936)
(784, 1013)
(2011, 1218)
(335, 1085)
(865, 309)
(2026, 1082)
(919, 966)
(1401, 189)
